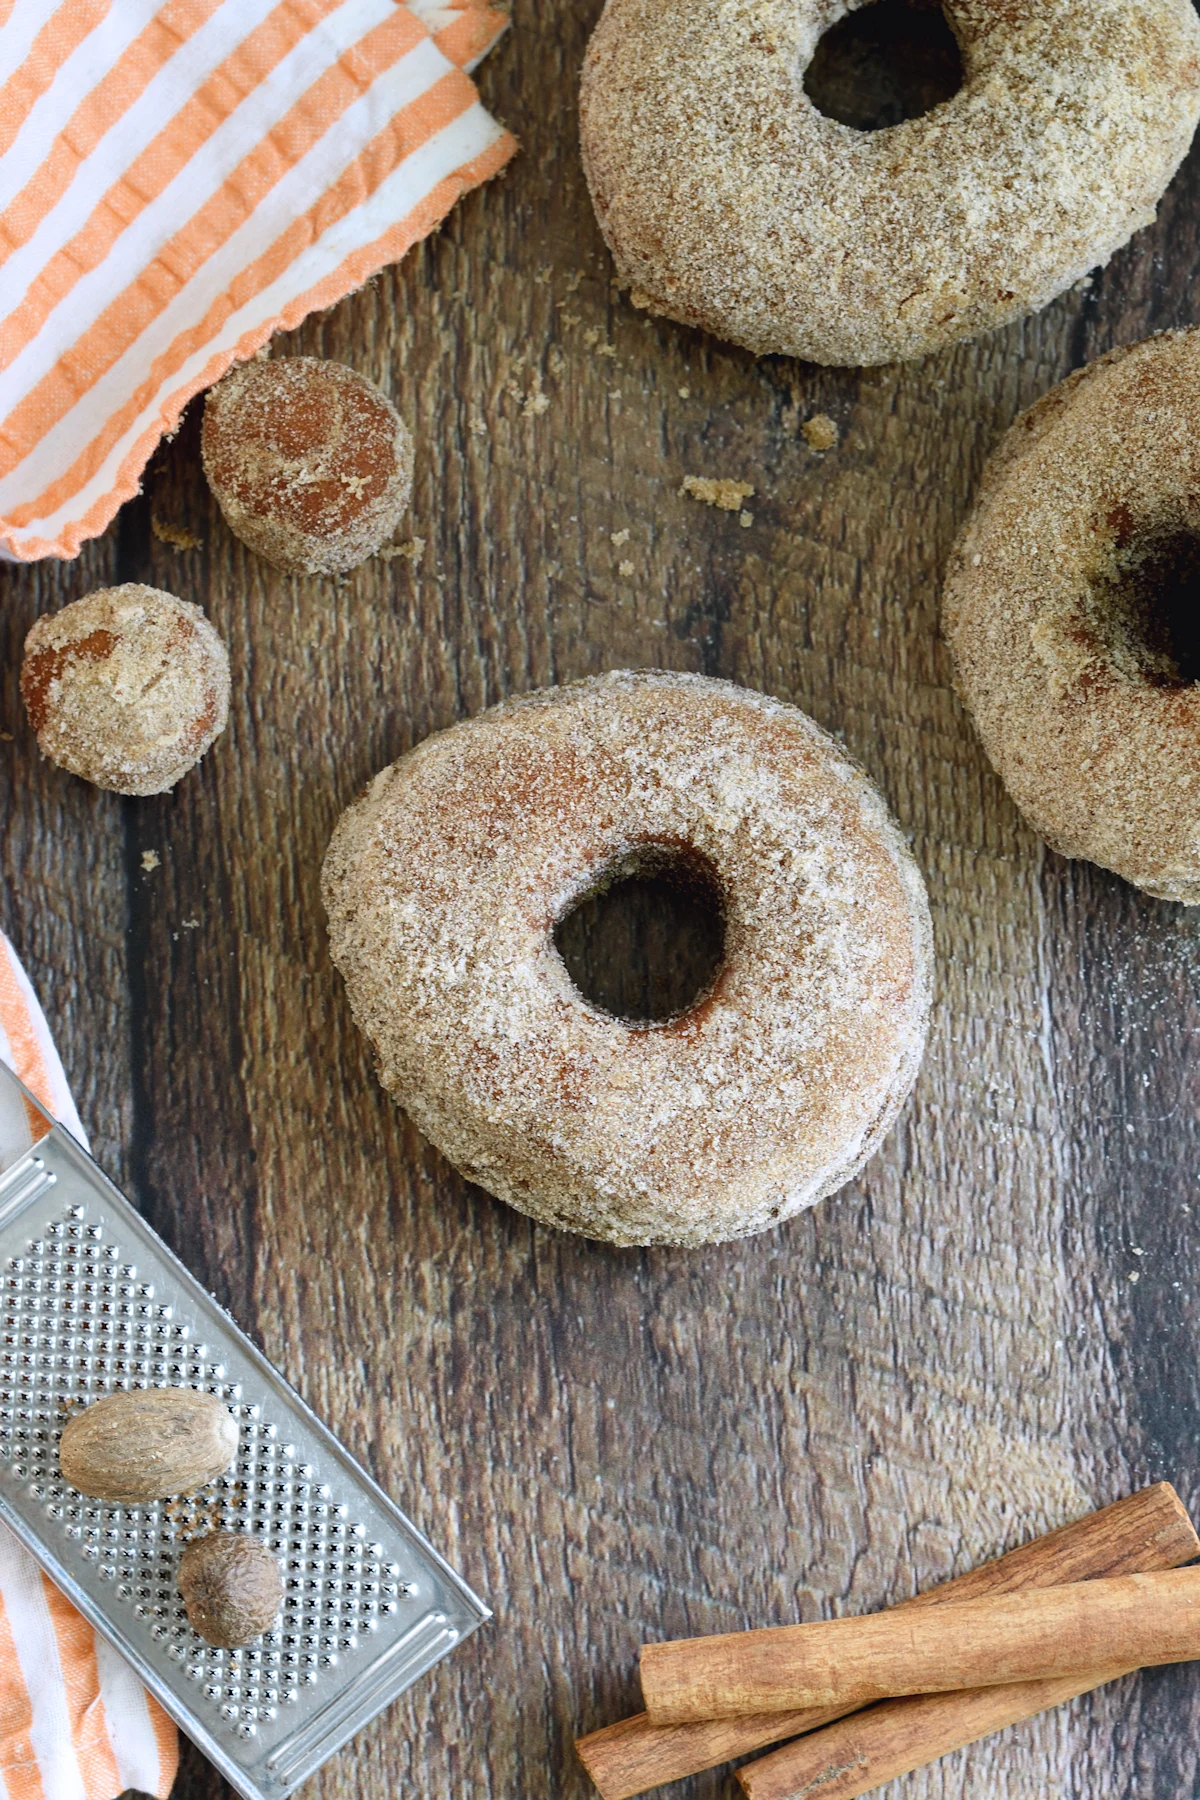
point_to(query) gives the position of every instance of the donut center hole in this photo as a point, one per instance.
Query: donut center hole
(646, 942)
(1148, 612)
(884, 63)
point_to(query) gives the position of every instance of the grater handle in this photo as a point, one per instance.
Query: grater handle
(23, 1121)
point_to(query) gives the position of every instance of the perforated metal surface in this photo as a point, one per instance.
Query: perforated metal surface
(91, 1301)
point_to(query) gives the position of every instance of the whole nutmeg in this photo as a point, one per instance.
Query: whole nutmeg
(148, 1444)
(310, 463)
(127, 687)
(231, 1587)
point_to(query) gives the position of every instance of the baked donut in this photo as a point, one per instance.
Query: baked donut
(444, 885)
(1072, 609)
(127, 687)
(731, 203)
(309, 462)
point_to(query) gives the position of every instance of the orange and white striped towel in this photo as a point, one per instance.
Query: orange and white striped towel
(75, 1722)
(179, 179)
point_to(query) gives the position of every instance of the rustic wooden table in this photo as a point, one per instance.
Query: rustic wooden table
(992, 1330)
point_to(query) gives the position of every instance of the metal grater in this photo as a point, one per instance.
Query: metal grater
(91, 1300)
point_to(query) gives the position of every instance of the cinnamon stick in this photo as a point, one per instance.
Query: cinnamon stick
(866, 1749)
(1128, 1622)
(1147, 1530)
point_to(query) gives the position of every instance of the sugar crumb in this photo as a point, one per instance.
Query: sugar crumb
(412, 550)
(717, 491)
(821, 432)
(745, 520)
(178, 537)
(685, 393)
(625, 568)
(619, 538)
(151, 860)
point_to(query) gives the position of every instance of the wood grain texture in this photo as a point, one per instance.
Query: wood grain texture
(948, 1357)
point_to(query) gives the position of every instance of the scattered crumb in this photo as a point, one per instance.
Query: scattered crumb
(412, 550)
(619, 538)
(607, 350)
(535, 404)
(1134, 1276)
(821, 432)
(641, 299)
(479, 426)
(190, 924)
(625, 568)
(177, 536)
(745, 520)
(6, 737)
(728, 495)
(151, 860)
(685, 393)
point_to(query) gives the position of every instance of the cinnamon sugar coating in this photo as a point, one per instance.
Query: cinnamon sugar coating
(127, 687)
(444, 883)
(1071, 609)
(310, 463)
(731, 203)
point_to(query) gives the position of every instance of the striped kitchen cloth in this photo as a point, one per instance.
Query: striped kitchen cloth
(179, 179)
(75, 1722)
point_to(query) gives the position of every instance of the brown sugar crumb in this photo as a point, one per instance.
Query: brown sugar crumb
(176, 537)
(127, 687)
(309, 462)
(821, 432)
(412, 550)
(151, 860)
(717, 491)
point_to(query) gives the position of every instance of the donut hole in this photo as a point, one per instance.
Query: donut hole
(645, 943)
(884, 63)
(1147, 612)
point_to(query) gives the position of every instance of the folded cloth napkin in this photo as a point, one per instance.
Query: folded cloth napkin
(75, 1722)
(179, 179)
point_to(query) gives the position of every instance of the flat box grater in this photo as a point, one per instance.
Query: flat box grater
(90, 1301)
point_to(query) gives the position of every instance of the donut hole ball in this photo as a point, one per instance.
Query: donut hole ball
(892, 61)
(127, 687)
(1144, 611)
(645, 942)
(310, 464)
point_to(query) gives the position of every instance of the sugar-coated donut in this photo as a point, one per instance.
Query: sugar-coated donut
(731, 203)
(1071, 612)
(309, 462)
(445, 882)
(127, 687)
